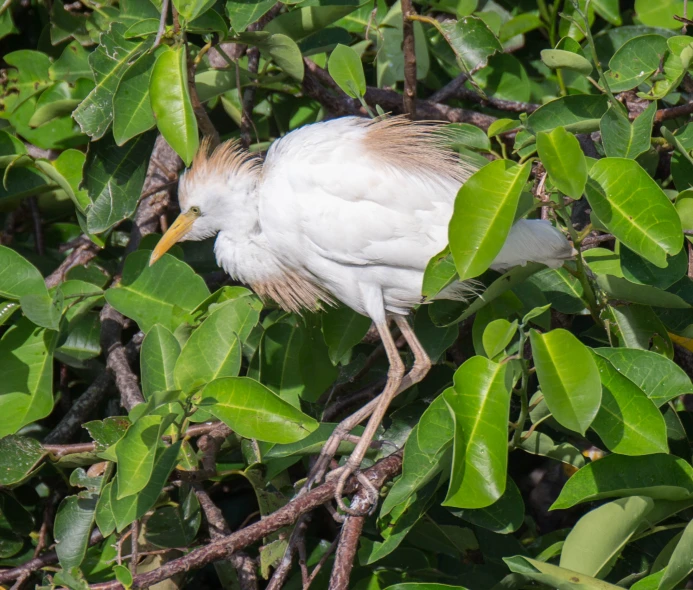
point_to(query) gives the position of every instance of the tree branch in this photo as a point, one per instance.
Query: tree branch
(409, 53)
(378, 474)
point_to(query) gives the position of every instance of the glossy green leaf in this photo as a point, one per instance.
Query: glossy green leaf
(26, 389)
(128, 509)
(578, 114)
(538, 443)
(159, 353)
(164, 293)
(625, 290)
(301, 22)
(280, 361)
(472, 41)
(484, 212)
(633, 207)
(440, 272)
(30, 75)
(638, 326)
(561, 289)
(136, 452)
(659, 14)
(424, 450)
(170, 100)
(554, 576)
(213, 350)
(662, 477)
(19, 456)
(479, 403)
(638, 270)
(568, 377)
(253, 411)
(108, 61)
(73, 523)
(635, 61)
(191, 9)
(132, 110)
(18, 277)
(598, 538)
(661, 379)
(245, 12)
(628, 422)
(346, 70)
(559, 58)
(343, 329)
(113, 177)
(286, 54)
(504, 516)
(497, 335)
(623, 139)
(176, 526)
(564, 161)
(680, 565)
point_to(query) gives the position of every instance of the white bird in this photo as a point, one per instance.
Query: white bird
(348, 210)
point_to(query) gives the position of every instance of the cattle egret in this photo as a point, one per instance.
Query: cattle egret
(348, 210)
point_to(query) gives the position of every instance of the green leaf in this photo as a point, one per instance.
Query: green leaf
(253, 411)
(213, 351)
(504, 516)
(628, 422)
(635, 61)
(660, 477)
(659, 14)
(440, 272)
(578, 113)
(639, 327)
(484, 212)
(466, 135)
(164, 293)
(170, 100)
(113, 177)
(26, 389)
(609, 11)
(624, 290)
(680, 566)
(18, 277)
(472, 41)
(554, 576)
(19, 456)
(559, 58)
(132, 109)
(346, 70)
(245, 12)
(191, 9)
(568, 377)
(108, 61)
(31, 74)
(538, 443)
(424, 453)
(497, 335)
(159, 353)
(280, 362)
(286, 54)
(638, 270)
(479, 403)
(301, 22)
(562, 290)
(623, 139)
(73, 523)
(175, 526)
(598, 538)
(136, 452)
(661, 379)
(564, 161)
(630, 204)
(128, 509)
(343, 329)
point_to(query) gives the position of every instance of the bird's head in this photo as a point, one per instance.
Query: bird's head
(211, 194)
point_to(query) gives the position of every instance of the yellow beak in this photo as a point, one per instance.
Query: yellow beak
(181, 226)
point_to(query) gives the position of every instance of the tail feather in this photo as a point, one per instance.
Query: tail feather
(533, 240)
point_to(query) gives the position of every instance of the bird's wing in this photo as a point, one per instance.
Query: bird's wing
(328, 192)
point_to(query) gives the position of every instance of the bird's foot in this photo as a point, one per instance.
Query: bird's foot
(370, 502)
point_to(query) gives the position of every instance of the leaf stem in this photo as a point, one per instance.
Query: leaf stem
(524, 398)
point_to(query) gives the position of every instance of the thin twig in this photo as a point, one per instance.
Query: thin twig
(38, 229)
(162, 23)
(134, 551)
(409, 53)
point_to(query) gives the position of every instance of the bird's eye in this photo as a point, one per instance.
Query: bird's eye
(195, 211)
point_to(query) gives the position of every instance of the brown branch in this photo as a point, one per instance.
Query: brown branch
(389, 100)
(409, 53)
(281, 572)
(349, 542)
(82, 253)
(247, 105)
(134, 546)
(162, 23)
(378, 474)
(35, 564)
(117, 362)
(449, 90)
(674, 112)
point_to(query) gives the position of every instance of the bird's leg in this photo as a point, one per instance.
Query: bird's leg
(395, 376)
(422, 364)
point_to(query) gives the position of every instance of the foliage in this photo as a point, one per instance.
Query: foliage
(549, 447)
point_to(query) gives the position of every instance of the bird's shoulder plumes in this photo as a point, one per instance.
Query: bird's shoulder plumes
(292, 292)
(421, 146)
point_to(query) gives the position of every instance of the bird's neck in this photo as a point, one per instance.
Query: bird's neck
(242, 249)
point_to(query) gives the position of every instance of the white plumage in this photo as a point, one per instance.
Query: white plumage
(349, 209)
